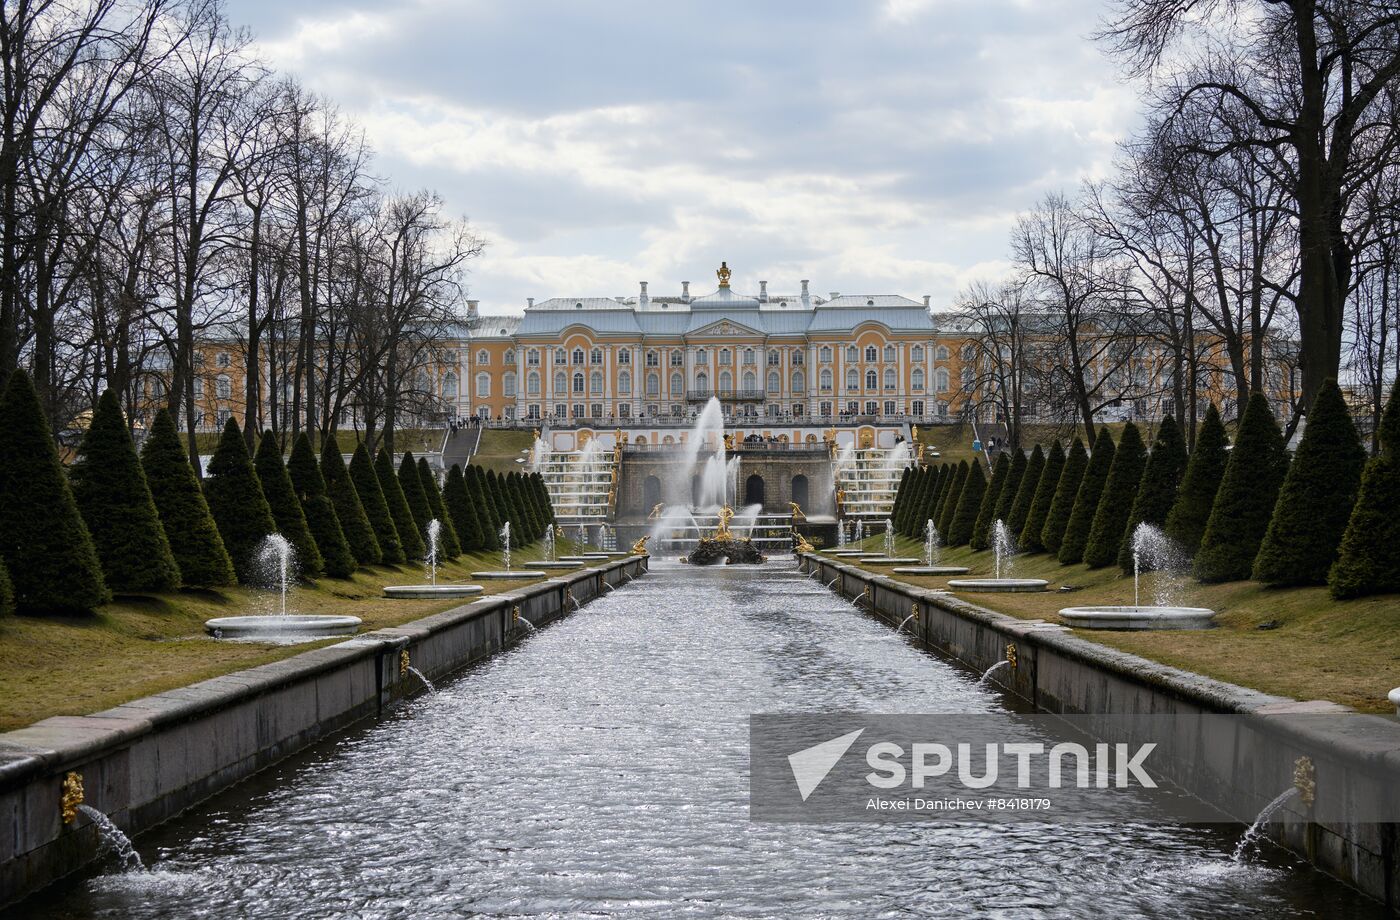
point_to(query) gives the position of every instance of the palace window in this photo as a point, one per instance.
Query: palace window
(889, 378)
(969, 353)
(510, 356)
(748, 355)
(889, 407)
(578, 382)
(561, 356)
(917, 378)
(799, 382)
(942, 409)
(677, 358)
(852, 354)
(561, 410)
(483, 385)
(917, 408)
(532, 385)
(824, 409)
(595, 410)
(653, 359)
(624, 356)
(508, 384)
(872, 380)
(595, 383)
(625, 410)
(223, 387)
(750, 381)
(916, 353)
(872, 407)
(222, 359)
(701, 357)
(872, 353)
(967, 376)
(797, 409)
(702, 381)
(533, 411)
(578, 356)
(775, 383)
(726, 382)
(852, 380)
(449, 386)
(677, 384)
(561, 383)
(853, 407)
(826, 380)
(825, 354)
(942, 353)
(624, 384)
(889, 354)
(483, 357)
(775, 357)
(942, 379)
(532, 358)
(580, 410)
(653, 385)
(797, 358)
(595, 356)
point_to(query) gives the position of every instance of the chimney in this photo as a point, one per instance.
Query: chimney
(529, 302)
(834, 295)
(805, 296)
(927, 298)
(643, 299)
(763, 292)
(685, 291)
(471, 308)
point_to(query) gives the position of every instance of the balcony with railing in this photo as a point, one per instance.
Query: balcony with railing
(725, 394)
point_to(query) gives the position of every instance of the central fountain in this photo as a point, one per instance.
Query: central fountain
(1003, 549)
(277, 571)
(723, 547)
(1153, 551)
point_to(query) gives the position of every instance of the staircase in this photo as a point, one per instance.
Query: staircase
(867, 479)
(580, 483)
(458, 447)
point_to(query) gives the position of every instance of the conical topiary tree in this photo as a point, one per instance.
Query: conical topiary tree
(903, 495)
(236, 501)
(948, 506)
(495, 492)
(515, 482)
(286, 507)
(110, 489)
(974, 490)
(7, 593)
(1025, 492)
(1246, 498)
(1041, 498)
(1315, 502)
(485, 508)
(450, 545)
(928, 500)
(44, 543)
(1369, 559)
(545, 502)
(541, 501)
(458, 502)
(919, 479)
(349, 510)
(410, 537)
(517, 509)
(318, 509)
(1007, 497)
(1156, 493)
(412, 485)
(371, 494)
(1052, 535)
(1116, 502)
(1186, 523)
(1086, 500)
(981, 531)
(195, 544)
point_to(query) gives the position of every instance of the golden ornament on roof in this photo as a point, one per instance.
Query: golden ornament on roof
(723, 274)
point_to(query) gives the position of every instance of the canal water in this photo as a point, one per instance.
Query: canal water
(599, 769)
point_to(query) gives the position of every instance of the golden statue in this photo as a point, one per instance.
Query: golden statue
(626, 437)
(72, 796)
(921, 451)
(800, 544)
(723, 274)
(726, 514)
(640, 547)
(537, 434)
(729, 441)
(914, 432)
(829, 436)
(840, 497)
(797, 514)
(656, 511)
(559, 531)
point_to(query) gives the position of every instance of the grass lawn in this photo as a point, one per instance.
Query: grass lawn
(137, 646)
(501, 447)
(1294, 642)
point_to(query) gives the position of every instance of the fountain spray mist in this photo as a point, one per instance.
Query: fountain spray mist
(434, 535)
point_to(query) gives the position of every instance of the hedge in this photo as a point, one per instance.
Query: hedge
(1246, 498)
(349, 510)
(371, 495)
(1057, 516)
(236, 501)
(321, 519)
(1086, 500)
(1116, 503)
(1186, 523)
(1156, 493)
(286, 507)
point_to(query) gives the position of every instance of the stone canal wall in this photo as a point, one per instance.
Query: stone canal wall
(1059, 672)
(145, 761)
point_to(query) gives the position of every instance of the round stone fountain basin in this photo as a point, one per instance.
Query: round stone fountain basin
(556, 564)
(931, 570)
(849, 553)
(890, 560)
(513, 573)
(420, 591)
(998, 585)
(1138, 617)
(1394, 697)
(281, 627)
(602, 555)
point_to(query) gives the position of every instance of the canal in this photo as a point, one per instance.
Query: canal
(599, 769)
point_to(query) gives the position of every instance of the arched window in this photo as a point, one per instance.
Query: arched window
(889, 378)
(653, 385)
(578, 356)
(624, 384)
(510, 356)
(942, 379)
(942, 353)
(872, 353)
(595, 356)
(677, 385)
(653, 359)
(917, 380)
(799, 382)
(532, 358)
(825, 354)
(916, 353)
(872, 380)
(561, 382)
(561, 356)
(624, 356)
(483, 385)
(748, 355)
(775, 357)
(223, 387)
(578, 382)
(726, 381)
(595, 383)
(852, 379)
(449, 386)
(532, 385)
(826, 380)
(508, 384)
(775, 383)
(700, 356)
(725, 357)
(889, 353)
(483, 357)
(852, 354)
(702, 381)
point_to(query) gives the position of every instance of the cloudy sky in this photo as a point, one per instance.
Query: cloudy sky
(873, 147)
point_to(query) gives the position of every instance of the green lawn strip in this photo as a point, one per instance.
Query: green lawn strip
(501, 447)
(137, 646)
(1313, 647)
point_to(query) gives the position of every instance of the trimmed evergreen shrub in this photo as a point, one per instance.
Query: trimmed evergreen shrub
(1116, 502)
(1041, 498)
(949, 505)
(541, 499)
(316, 506)
(1052, 535)
(236, 501)
(986, 514)
(903, 495)
(1156, 493)
(1007, 497)
(964, 518)
(195, 544)
(110, 489)
(410, 537)
(485, 508)
(945, 485)
(449, 544)
(7, 593)
(1086, 500)
(1318, 494)
(937, 478)
(458, 503)
(495, 492)
(412, 485)
(371, 494)
(1025, 493)
(1186, 523)
(286, 507)
(1245, 501)
(349, 510)
(545, 502)
(527, 508)
(1369, 560)
(512, 493)
(43, 541)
